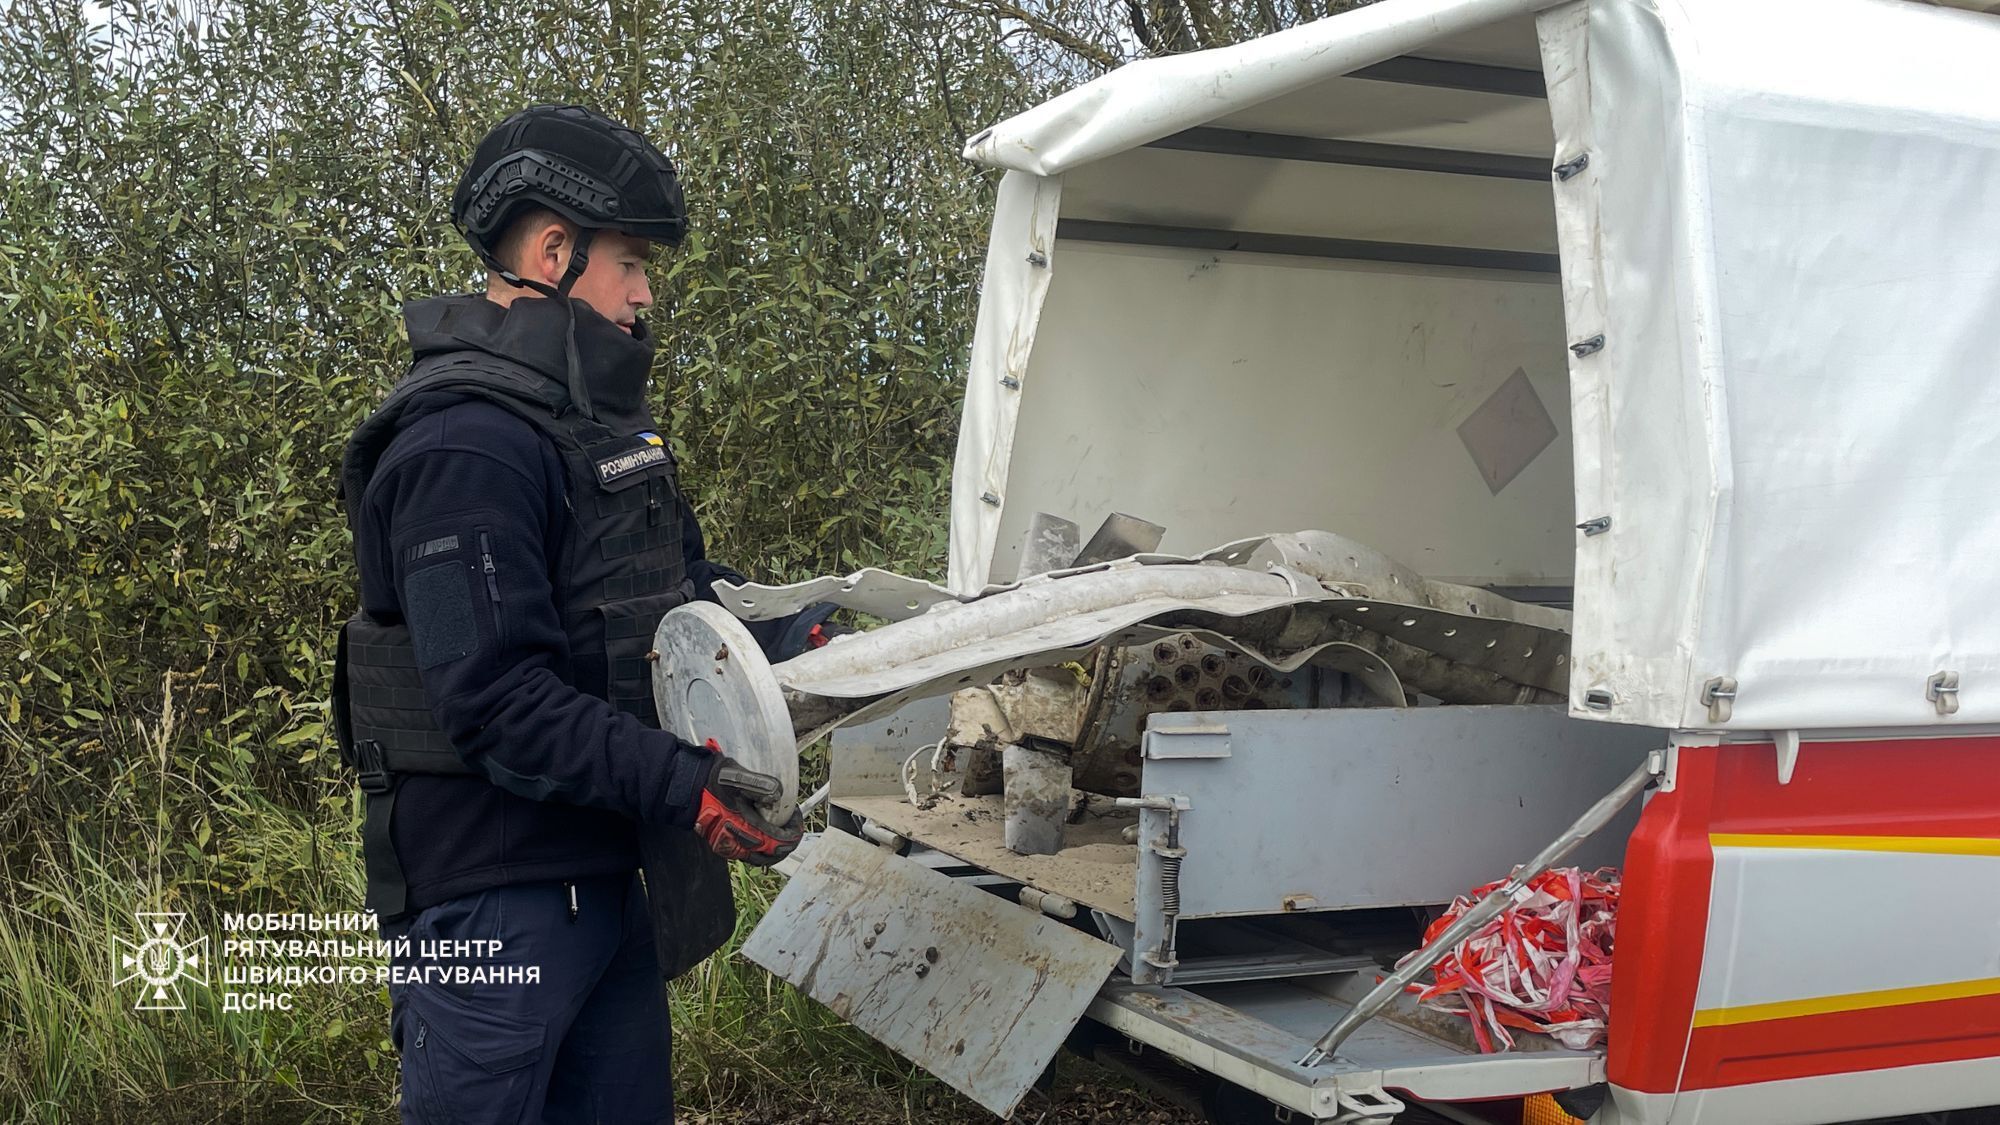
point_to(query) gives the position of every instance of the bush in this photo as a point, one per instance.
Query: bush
(210, 217)
(210, 214)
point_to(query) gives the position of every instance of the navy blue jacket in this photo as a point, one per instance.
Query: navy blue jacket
(569, 773)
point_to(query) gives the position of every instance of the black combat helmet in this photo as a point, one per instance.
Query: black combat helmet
(576, 162)
(583, 166)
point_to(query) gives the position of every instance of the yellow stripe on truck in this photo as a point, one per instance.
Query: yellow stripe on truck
(1921, 845)
(1848, 1002)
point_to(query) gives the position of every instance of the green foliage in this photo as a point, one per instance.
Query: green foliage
(209, 217)
(211, 212)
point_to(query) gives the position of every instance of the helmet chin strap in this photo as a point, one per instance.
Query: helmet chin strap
(579, 260)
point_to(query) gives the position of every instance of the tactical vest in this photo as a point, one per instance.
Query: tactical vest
(621, 568)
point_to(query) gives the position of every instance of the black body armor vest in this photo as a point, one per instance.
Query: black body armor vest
(620, 571)
(621, 568)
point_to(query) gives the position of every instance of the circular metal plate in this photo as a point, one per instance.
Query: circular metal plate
(712, 681)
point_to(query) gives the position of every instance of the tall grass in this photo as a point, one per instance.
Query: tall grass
(73, 1047)
(77, 1048)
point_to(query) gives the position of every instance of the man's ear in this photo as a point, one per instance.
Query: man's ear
(552, 245)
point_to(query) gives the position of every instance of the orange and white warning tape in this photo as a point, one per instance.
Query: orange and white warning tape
(1543, 964)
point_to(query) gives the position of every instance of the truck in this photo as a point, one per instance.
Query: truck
(1516, 433)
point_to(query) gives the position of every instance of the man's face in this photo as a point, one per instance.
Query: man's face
(614, 283)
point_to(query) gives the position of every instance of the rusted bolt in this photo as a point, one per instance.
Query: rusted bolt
(880, 926)
(722, 653)
(923, 970)
(653, 657)
(868, 943)
(931, 954)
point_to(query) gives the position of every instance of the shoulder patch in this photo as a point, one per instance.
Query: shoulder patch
(629, 461)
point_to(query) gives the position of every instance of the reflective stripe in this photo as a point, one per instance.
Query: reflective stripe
(1850, 1002)
(1924, 845)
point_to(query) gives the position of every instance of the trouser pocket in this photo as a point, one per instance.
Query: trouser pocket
(465, 1063)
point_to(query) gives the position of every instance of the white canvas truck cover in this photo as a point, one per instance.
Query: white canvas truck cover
(1787, 234)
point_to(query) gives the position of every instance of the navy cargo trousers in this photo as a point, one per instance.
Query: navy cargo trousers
(585, 1039)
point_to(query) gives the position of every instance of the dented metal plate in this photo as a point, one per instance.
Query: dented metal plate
(1281, 600)
(973, 988)
(883, 593)
(895, 597)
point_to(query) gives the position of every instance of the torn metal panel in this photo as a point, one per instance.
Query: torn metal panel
(814, 715)
(1281, 600)
(1039, 706)
(924, 964)
(1120, 537)
(1036, 617)
(895, 597)
(1049, 544)
(882, 593)
(1359, 571)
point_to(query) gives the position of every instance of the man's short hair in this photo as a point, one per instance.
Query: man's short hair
(509, 246)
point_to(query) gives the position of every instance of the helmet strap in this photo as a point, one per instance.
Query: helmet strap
(579, 260)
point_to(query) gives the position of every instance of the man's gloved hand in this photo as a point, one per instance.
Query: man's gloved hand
(729, 821)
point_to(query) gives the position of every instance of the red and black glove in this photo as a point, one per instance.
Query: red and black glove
(728, 819)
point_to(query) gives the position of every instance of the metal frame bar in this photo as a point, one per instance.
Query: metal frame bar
(1307, 246)
(1363, 154)
(1445, 75)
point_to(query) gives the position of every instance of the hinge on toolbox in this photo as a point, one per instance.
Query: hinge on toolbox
(1163, 954)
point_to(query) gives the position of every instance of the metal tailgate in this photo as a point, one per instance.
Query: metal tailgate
(975, 989)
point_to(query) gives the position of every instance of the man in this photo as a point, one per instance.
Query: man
(519, 534)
